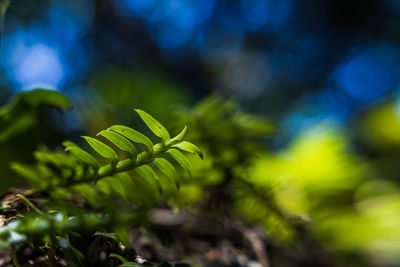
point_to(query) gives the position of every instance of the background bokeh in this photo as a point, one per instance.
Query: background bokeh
(300, 60)
(325, 72)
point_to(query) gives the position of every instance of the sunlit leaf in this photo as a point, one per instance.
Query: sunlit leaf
(121, 142)
(189, 147)
(181, 135)
(133, 135)
(156, 127)
(102, 149)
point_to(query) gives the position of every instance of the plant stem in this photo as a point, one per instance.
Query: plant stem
(127, 164)
(14, 257)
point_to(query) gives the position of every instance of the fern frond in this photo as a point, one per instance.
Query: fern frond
(75, 169)
(80, 166)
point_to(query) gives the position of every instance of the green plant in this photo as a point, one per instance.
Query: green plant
(226, 195)
(22, 111)
(76, 192)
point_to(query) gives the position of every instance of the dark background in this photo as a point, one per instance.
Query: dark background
(277, 57)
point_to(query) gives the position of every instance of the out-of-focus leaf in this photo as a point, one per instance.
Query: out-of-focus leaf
(102, 149)
(20, 114)
(147, 172)
(156, 127)
(34, 99)
(122, 233)
(111, 183)
(56, 158)
(133, 135)
(81, 154)
(48, 98)
(92, 194)
(114, 255)
(127, 264)
(181, 159)
(19, 125)
(121, 142)
(112, 236)
(126, 182)
(3, 8)
(27, 172)
(189, 147)
(168, 169)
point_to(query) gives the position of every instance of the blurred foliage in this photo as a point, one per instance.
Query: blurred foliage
(316, 195)
(318, 183)
(381, 126)
(24, 123)
(22, 112)
(351, 207)
(233, 141)
(69, 178)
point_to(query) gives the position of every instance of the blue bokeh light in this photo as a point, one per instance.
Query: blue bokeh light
(171, 23)
(272, 13)
(30, 58)
(370, 73)
(294, 54)
(141, 8)
(170, 36)
(255, 12)
(40, 65)
(230, 18)
(70, 20)
(189, 14)
(216, 45)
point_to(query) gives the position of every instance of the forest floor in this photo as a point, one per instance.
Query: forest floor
(172, 239)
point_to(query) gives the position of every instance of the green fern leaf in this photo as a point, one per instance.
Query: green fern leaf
(114, 255)
(102, 149)
(110, 183)
(189, 147)
(147, 172)
(121, 142)
(156, 127)
(81, 154)
(126, 181)
(181, 135)
(181, 159)
(133, 135)
(168, 169)
(28, 172)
